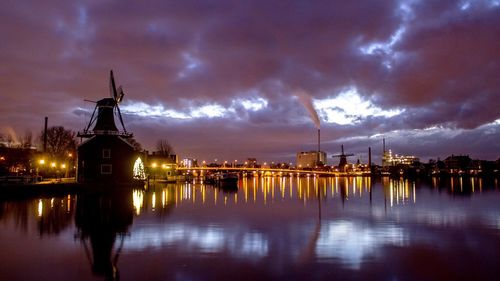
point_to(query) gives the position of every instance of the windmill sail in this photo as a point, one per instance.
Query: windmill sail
(120, 95)
(105, 108)
(112, 87)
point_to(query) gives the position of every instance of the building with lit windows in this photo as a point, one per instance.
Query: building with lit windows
(161, 166)
(310, 159)
(389, 159)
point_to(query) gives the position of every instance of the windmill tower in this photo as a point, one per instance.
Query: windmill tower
(343, 159)
(106, 156)
(103, 116)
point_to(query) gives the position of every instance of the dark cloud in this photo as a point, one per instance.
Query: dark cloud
(436, 60)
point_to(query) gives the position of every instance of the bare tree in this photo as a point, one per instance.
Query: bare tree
(164, 147)
(60, 142)
(137, 146)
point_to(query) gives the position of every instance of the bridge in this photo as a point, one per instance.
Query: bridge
(273, 171)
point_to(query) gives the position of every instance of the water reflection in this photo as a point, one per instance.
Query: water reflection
(276, 226)
(45, 216)
(351, 242)
(100, 218)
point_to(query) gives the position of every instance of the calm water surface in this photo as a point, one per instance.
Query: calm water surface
(267, 229)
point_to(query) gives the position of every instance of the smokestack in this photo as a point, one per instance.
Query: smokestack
(370, 158)
(383, 141)
(318, 158)
(45, 135)
(319, 134)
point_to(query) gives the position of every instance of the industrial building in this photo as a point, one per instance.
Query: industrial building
(389, 159)
(310, 159)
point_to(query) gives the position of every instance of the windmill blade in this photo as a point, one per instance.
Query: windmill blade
(112, 87)
(92, 119)
(120, 95)
(121, 120)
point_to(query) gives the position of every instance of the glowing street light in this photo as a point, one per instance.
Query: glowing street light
(154, 165)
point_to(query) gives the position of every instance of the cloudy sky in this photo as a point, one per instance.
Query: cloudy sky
(234, 79)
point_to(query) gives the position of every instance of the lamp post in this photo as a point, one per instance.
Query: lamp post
(153, 166)
(53, 170)
(41, 162)
(65, 168)
(70, 163)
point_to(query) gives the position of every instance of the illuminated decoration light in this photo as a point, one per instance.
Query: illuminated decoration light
(138, 171)
(53, 164)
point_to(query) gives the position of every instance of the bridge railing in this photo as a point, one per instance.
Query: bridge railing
(271, 170)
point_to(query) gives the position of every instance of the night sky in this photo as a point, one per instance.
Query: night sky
(233, 79)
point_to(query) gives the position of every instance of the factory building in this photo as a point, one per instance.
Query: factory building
(389, 159)
(310, 159)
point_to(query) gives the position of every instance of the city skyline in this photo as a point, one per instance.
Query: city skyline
(237, 80)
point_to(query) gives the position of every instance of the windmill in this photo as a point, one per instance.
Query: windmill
(106, 109)
(343, 159)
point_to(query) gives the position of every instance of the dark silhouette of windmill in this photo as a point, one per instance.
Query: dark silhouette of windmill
(107, 155)
(106, 109)
(343, 159)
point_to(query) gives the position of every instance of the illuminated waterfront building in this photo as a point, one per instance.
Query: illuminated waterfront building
(161, 165)
(390, 159)
(310, 159)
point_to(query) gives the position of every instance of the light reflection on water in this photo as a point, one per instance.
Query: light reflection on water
(276, 226)
(351, 241)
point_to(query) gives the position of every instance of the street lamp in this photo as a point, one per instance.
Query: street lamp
(154, 170)
(41, 162)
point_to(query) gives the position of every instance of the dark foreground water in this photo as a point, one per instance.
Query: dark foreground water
(269, 229)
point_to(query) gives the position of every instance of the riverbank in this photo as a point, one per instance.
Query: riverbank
(57, 187)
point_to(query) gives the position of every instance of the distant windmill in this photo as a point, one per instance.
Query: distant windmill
(106, 109)
(343, 159)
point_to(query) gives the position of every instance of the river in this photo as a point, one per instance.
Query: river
(268, 228)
